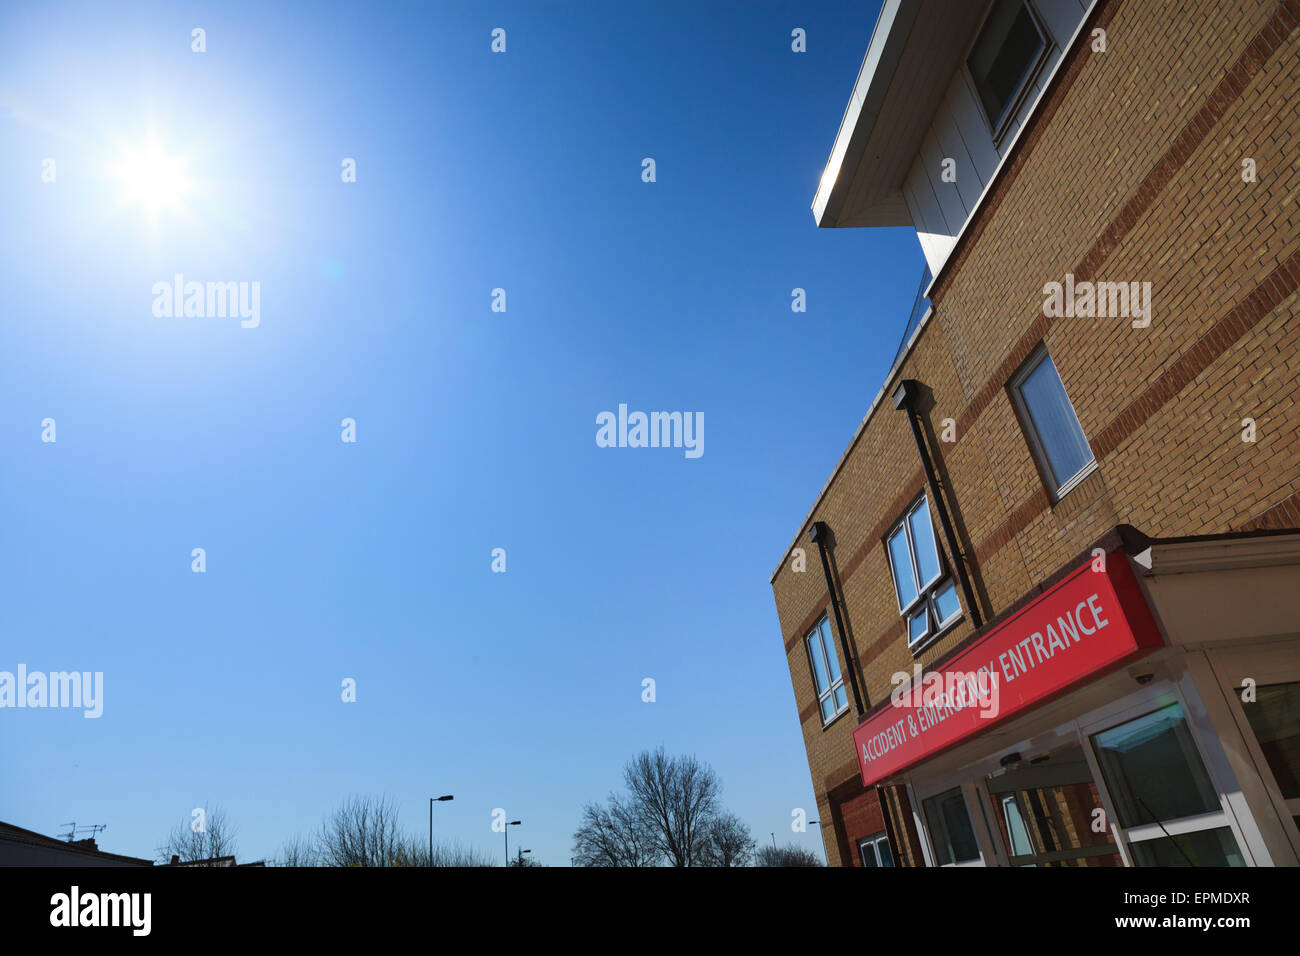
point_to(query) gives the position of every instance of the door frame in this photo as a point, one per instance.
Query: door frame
(1270, 663)
(1179, 687)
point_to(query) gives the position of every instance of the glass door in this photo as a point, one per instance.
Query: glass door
(1047, 812)
(1168, 808)
(952, 836)
(1273, 714)
(1262, 685)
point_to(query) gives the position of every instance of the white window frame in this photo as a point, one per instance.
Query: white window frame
(1271, 663)
(1161, 692)
(832, 683)
(926, 590)
(873, 842)
(1056, 488)
(1000, 126)
(1140, 705)
(1000, 803)
(970, 800)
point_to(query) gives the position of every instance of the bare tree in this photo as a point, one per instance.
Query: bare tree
(297, 851)
(201, 837)
(361, 832)
(414, 851)
(788, 855)
(364, 832)
(674, 797)
(455, 855)
(726, 842)
(613, 834)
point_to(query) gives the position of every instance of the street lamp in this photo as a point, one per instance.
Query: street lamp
(521, 857)
(512, 823)
(442, 799)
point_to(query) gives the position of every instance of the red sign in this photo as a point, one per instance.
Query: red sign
(1090, 622)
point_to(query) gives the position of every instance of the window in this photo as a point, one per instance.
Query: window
(926, 597)
(874, 851)
(826, 671)
(1007, 55)
(950, 829)
(1274, 715)
(1162, 793)
(1014, 826)
(1054, 431)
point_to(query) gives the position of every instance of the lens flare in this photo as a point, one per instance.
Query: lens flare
(152, 178)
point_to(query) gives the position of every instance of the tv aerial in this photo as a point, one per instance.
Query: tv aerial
(94, 830)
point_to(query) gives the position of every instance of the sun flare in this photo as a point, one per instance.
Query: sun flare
(152, 178)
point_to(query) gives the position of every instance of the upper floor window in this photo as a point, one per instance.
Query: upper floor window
(1008, 52)
(1051, 424)
(927, 597)
(831, 696)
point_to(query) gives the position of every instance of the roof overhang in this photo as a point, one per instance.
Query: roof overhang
(915, 48)
(1220, 589)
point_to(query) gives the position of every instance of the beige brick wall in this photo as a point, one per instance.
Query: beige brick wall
(1203, 238)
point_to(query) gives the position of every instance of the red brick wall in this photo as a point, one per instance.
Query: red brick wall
(857, 814)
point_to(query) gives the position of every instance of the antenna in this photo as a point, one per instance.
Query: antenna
(94, 828)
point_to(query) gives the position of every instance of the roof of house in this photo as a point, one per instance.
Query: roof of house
(18, 835)
(212, 861)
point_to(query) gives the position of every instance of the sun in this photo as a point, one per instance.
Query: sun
(152, 178)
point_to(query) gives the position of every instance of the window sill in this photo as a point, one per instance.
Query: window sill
(827, 724)
(1084, 473)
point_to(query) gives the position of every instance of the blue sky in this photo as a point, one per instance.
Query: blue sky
(475, 429)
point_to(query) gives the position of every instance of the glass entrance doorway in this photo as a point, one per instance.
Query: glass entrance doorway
(1046, 811)
(1262, 688)
(1126, 784)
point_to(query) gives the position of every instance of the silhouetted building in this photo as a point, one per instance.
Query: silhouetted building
(19, 847)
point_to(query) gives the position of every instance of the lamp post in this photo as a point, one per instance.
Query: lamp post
(521, 857)
(432, 800)
(512, 823)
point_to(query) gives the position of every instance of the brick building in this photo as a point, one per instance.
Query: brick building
(1046, 609)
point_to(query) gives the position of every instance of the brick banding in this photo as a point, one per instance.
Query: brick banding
(1261, 301)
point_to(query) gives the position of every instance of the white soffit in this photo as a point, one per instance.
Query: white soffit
(916, 47)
